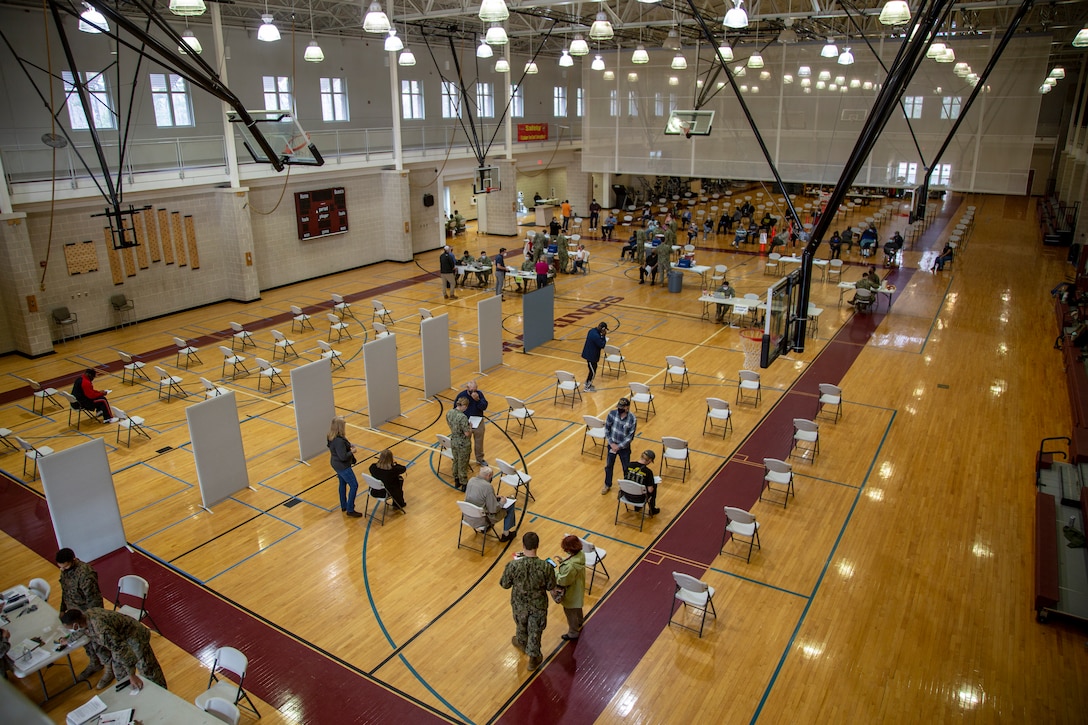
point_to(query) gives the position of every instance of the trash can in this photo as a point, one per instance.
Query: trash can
(676, 280)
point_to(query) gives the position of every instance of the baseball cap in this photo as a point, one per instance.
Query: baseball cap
(624, 403)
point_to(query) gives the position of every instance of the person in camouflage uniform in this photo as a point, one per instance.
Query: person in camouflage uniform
(459, 441)
(79, 590)
(127, 641)
(529, 580)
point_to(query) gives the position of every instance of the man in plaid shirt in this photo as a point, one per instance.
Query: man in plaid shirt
(619, 431)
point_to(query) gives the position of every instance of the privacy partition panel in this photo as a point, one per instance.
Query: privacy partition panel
(489, 325)
(314, 406)
(538, 313)
(435, 340)
(217, 448)
(382, 379)
(82, 501)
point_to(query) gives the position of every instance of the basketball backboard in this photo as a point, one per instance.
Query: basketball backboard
(287, 138)
(689, 123)
(487, 180)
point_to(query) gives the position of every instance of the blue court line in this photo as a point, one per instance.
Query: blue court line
(261, 550)
(734, 575)
(820, 579)
(573, 527)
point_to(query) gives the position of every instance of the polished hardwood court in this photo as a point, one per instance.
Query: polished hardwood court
(895, 585)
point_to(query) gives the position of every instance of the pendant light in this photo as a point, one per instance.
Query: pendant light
(189, 43)
(407, 58)
(755, 60)
(825, 75)
(672, 40)
(392, 42)
(313, 52)
(268, 32)
(935, 50)
(787, 78)
(502, 66)
(601, 28)
(679, 62)
(565, 61)
(598, 63)
(632, 77)
(493, 11)
(736, 18)
(895, 12)
(948, 56)
(483, 50)
(830, 50)
(92, 21)
(609, 75)
(961, 69)
(1058, 72)
(496, 35)
(846, 57)
(530, 66)
(187, 8)
(579, 46)
(804, 71)
(1081, 41)
(376, 21)
(725, 51)
(640, 56)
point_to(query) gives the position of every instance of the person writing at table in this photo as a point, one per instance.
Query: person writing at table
(466, 260)
(649, 268)
(90, 399)
(869, 281)
(726, 292)
(484, 275)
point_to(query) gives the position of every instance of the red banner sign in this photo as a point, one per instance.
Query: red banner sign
(532, 132)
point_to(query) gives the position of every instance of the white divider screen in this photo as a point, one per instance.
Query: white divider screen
(435, 339)
(382, 379)
(489, 324)
(538, 311)
(217, 448)
(82, 501)
(314, 406)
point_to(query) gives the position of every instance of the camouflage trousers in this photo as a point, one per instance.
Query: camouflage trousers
(530, 627)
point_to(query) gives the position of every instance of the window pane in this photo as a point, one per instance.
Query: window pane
(158, 82)
(181, 110)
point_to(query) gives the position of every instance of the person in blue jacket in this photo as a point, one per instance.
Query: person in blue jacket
(591, 352)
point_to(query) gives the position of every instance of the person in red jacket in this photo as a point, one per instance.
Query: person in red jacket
(89, 398)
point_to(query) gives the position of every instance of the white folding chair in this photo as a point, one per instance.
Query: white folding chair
(594, 557)
(223, 710)
(328, 352)
(718, 415)
(519, 412)
(834, 271)
(830, 400)
(338, 326)
(5, 433)
(40, 588)
(594, 433)
(674, 454)
(129, 423)
(300, 318)
(236, 361)
(380, 330)
(342, 308)
(227, 659)
(282, 345)
(614, 360)
(212, 390)
(749, 387)
(172, 383)
(474, 519)
(32, 453)
(771, 265)
(690, 592)
(566, 384)
(135, 588)
(41, 394)
(376, 490)
(269, 373)
(641, 396)
(445, 450)
(240, 334)
(806, 440)
(74, 406)
(380, 313)
(515, 479)
(719, 273)
(188, 351)
(738, 523)
(676, 371)
(131, 368)
(777, 478)
(629, 489)
(424, 314)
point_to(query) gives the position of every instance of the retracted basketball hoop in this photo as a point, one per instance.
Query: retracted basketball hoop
(751, 339)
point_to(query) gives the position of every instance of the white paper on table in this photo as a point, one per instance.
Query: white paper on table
(86, 711)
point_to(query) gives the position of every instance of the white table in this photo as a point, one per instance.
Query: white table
(526, 277)
(471, 269)
(885, 289)
(699, 269)
(26, 656)
(734, 303)
(153, 705)
(794, 259)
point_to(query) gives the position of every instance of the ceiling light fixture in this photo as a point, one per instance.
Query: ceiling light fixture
(895, 12)
(804, 71)
(787, 78)
(502, 66)
(601, 28)
(268, 32)
(189, 43)
(679, 62)
(961, 69)
(313, 52)
(736, 18)
(755, 60)
(846, 57)
(376, 21)
(565, 61)
(579, 46)
(632, 77)
(830, 50)
(496, 35)
(948, 56)
(407, 58)
(674, 81)
(609, 75)
(672, 40)
(493, 11)
(825, 75)
(187, 8)
(598, 63)
(92, 21)
(725, 52)
(1058, 72)
(1081, 41)
(935, 50)
(393, 43)
(640, 56)
(483, 50)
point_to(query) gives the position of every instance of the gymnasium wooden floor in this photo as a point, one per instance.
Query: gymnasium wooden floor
(896, 585)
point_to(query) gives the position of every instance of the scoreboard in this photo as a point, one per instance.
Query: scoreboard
(320, 213)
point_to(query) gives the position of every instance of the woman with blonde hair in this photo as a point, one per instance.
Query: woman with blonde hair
(342, 458)
(391, 474)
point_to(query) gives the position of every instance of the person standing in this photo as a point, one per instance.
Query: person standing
(79, 590)
(459, 445)
(529, 580)
(591, 352)
(391, 474)
(594, 215)
(342, 458)
(480, 492)
(571, 573)
(542, 268)
(619, 431)
(447, 267)
(477, 405)
(565, 209)
(90, 399)
(127, 642)
(500, 271)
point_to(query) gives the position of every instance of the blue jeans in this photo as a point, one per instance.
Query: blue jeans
(610, 463)
(511, 519)
(348, 487)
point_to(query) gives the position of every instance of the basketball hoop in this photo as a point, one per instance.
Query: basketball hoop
(751, 339)
(297, 142)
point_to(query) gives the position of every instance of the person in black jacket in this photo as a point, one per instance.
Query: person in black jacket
(391, 474)
(342, 458)
(447, 267)
(591, 352)
(650, 267)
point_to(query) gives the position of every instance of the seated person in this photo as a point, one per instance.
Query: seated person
(708, 228)
(868, 242)
(835, 243)
(580, 256)
(725, 292)
(848, 238)
(891, 249)
(725, 224)
(640, 472)
(484, 275)
(741, 236)
(692, 233)
(609, 225)
(647, 215)
(554, 226)
(946, 256)
(458, 222)
(779, 240)
(629, 248)
(537, 198)
(686, 217)
(466, 260)
(526, 266)
(84, 392)
(766, 222)
(649, 268)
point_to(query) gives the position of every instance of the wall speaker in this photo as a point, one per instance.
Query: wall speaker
(428, 200)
